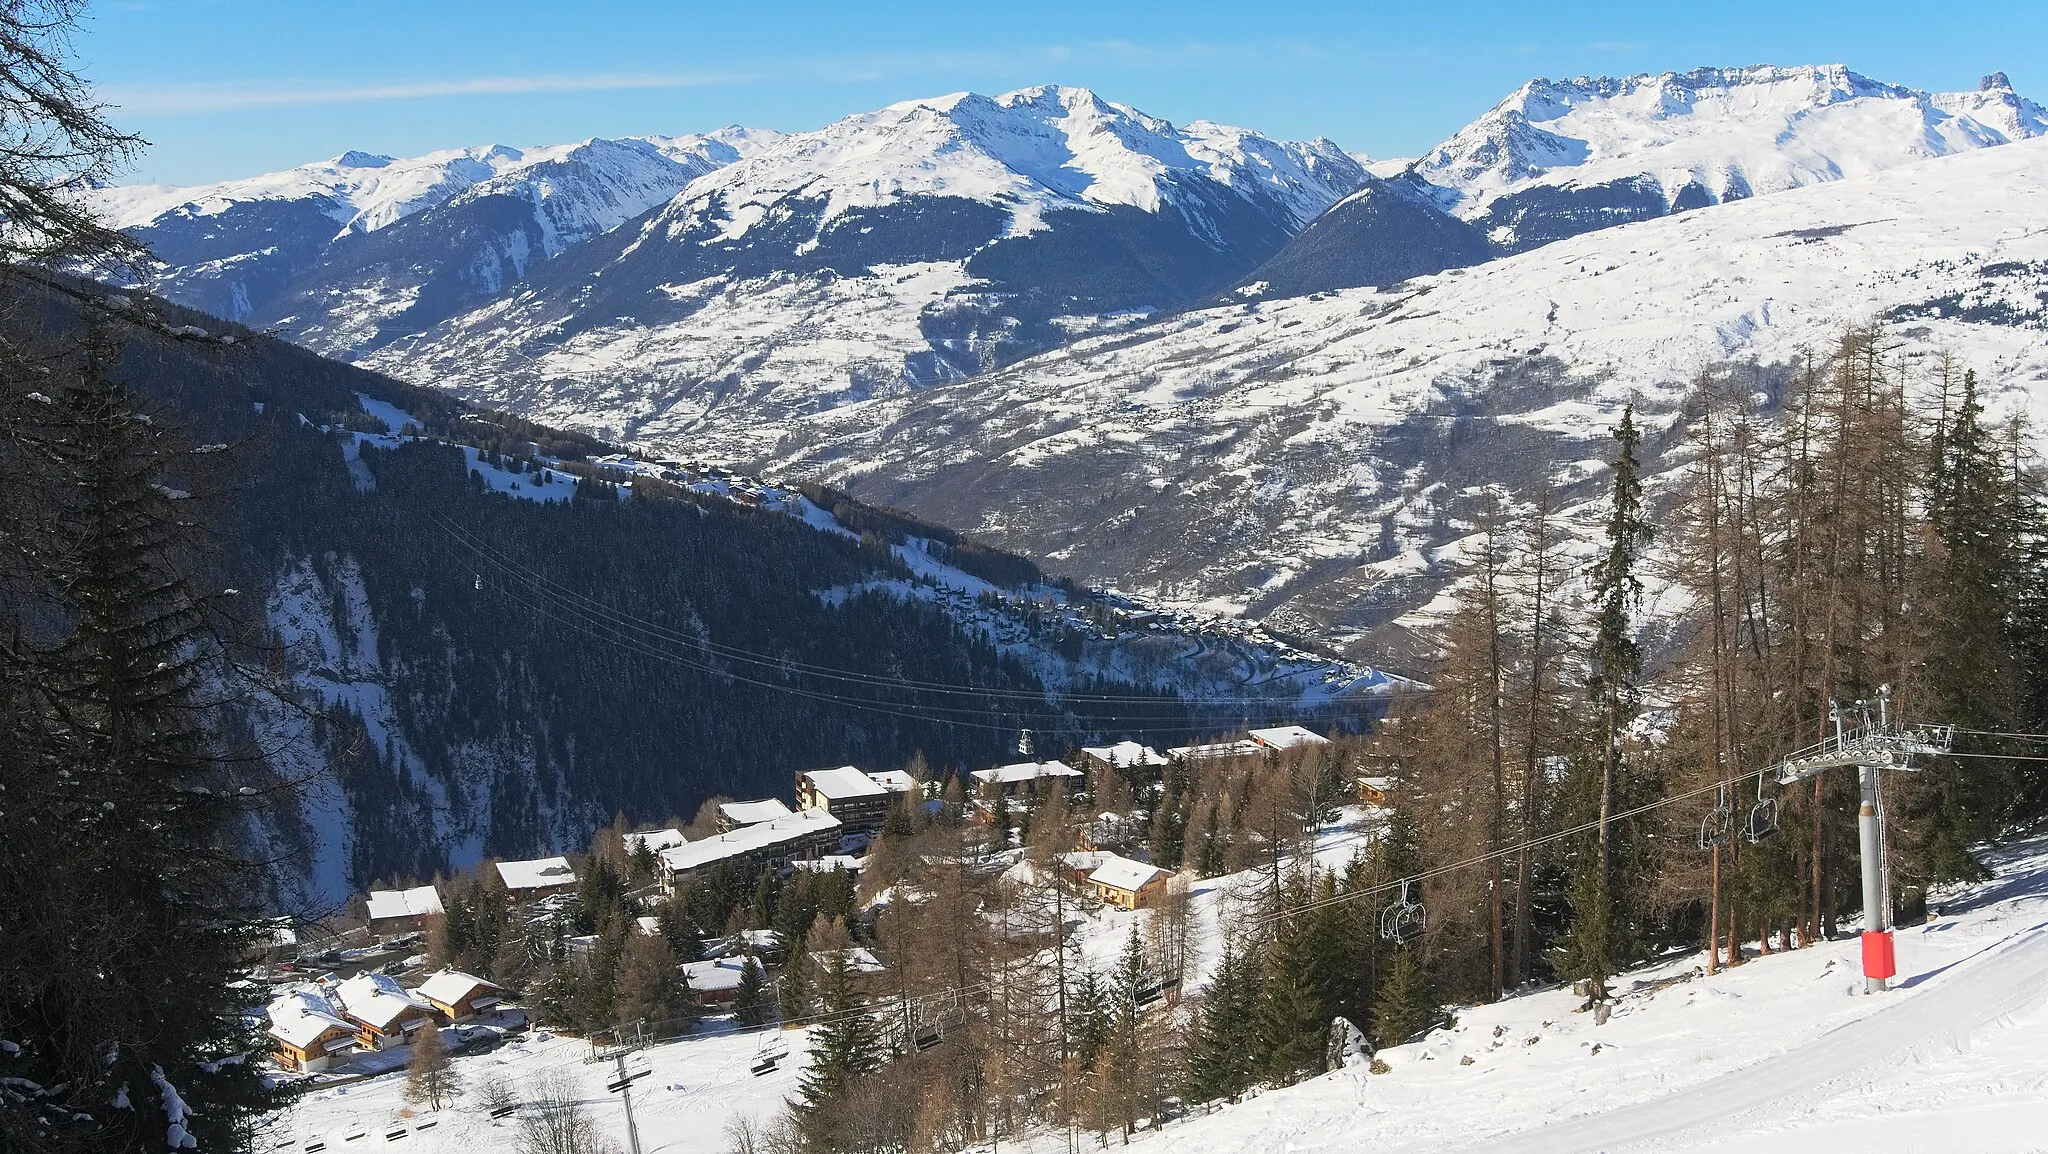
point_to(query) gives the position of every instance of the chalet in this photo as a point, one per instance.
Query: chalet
(734, 815)
(807, 833)
(383, 1012)
(655, 840)
(1286, 737)
(716, 981)
(307, 1034)
(1137, 763)
(1373, 791)
(1127, 884)
(1022, 778)
(857, 800)
(537, 878)
(458, 997)
(393, 910)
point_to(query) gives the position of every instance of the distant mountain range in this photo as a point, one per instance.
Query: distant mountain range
(1190, 361)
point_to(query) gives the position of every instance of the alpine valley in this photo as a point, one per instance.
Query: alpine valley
(1191, 362)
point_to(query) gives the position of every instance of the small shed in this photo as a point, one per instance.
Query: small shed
(458, 997)
(1127, 884)
(1374, 790)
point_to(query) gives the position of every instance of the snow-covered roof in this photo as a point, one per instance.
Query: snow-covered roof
(859, 959)
(1122, 873)
(1288, 736)
(1383, 784)
(1245, 748)
(302, 1015)
(844, 783)
(412, 903)
(895, 780)
(747, 839)
(1024, 771)
(715, 974)
(376, 998)
(655, 840)
(750, 812)
(1126, 754)
(832, 861)
(539, 873)
(451, 986)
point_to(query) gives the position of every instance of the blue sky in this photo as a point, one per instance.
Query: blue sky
(231, 87)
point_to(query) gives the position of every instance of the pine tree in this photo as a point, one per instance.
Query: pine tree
(122, 806)
(1616, 688)
(751, 1008)
(846, 1044)
(1221, 1053)
(1405, 1006)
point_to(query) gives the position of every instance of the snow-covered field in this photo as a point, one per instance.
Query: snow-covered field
(1783, 1048)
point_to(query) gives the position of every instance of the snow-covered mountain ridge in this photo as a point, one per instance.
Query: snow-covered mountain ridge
(920, 243)
(344, 250)
(1309, 461)
(1562, 157)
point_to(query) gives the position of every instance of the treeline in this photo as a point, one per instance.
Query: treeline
(1559, 791)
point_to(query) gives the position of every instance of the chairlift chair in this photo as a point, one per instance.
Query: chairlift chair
(771, 1052)
(1763, 816)
(1718, 827)
(1404, 921)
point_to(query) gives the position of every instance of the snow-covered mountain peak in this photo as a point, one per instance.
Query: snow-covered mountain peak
(1731, 132)
(1031, 150)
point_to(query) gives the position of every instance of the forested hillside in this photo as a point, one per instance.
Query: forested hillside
(468, 703)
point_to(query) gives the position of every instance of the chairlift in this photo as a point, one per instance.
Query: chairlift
(1405, 920)
(1718, 827)
(479, 582)
(1763, 816)
(773, 1050)
(927, 1035)
(394, 1134)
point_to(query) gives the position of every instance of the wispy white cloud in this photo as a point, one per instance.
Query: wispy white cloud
(169, 99)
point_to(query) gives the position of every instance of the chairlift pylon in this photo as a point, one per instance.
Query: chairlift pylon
(1405, 920)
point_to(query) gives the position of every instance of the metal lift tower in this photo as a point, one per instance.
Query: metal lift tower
(1870, 745)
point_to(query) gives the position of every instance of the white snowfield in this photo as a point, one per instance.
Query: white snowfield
(1732, 131)
(1784, 1048)
(1784, 1052)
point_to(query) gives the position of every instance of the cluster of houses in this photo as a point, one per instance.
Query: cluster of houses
(316, 1025)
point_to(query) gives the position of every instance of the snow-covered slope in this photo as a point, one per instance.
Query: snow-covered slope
(1308, 461)
(1562, 157)
(242, 248)
(1781, 1051)
(894, 249)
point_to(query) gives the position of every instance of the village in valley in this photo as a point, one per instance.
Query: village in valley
(755, 907)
